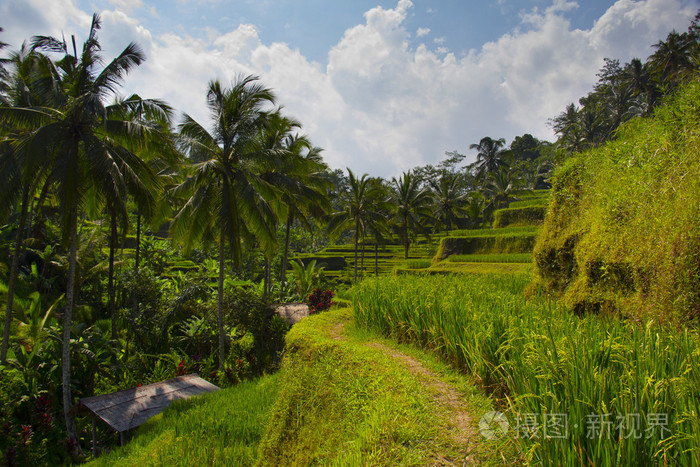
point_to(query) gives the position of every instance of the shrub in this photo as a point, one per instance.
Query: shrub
(320, 300)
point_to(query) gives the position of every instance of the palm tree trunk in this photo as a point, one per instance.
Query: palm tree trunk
(405, 243)
(138, 242)
(67, 321)
(376, 259)
(357, 235)
(286, 252)
(110, 280)
(13, 275)
(362, 260)
(220, 293)
(266, 279)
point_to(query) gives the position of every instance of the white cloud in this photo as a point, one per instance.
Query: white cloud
(422, 32)
(381, 106)
(127, 5)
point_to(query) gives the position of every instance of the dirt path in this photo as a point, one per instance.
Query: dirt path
(459, 421)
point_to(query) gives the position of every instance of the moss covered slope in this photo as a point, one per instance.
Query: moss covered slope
(623, 229)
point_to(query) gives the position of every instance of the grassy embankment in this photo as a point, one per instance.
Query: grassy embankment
(341, 398)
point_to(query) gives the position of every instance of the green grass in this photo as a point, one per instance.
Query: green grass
(480, 268)
(493, 258)
(346, 402)
(417, 264)
(492, 232)
(339, 399)
(526, 203)
(522, 216)
(538, 359)
(223, 428)
(482, 244)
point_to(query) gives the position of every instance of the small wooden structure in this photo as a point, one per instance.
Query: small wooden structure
(124, 410)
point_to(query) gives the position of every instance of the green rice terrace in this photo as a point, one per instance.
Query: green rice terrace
(179, 296)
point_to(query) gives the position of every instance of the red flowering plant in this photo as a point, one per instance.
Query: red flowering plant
(320, 300)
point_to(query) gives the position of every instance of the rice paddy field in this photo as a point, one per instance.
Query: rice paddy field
(595, 390)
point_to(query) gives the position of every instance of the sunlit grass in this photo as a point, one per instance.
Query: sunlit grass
(223, 428)
(539, 359)
(491, 232)
(494, 258)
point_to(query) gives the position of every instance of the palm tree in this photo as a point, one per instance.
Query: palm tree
(673, 58)
(357, 211)
(88, 148)
(20, 179)
(448, 197)
(377, 227)
(566, 124)
(637, 77)
(226, 199)
(295, 167)
(156, 115)
(489, 156)
(501, 186)
(411, 202)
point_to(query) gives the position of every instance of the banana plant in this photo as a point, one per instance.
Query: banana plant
(307, 278)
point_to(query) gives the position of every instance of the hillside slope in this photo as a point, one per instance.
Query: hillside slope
(623, 229)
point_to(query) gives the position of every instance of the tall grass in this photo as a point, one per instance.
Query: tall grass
(604, 374)
(526, 203)
(490, 232)
(494, 258)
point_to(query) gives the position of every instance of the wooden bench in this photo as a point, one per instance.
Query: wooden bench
(124, 410)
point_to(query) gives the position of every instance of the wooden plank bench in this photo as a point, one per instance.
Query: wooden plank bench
(127, 409)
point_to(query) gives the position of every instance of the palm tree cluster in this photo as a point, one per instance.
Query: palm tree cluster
(434, 200)
(69, 140)
(629, 90)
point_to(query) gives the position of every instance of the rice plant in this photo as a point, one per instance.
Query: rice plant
(491, 232)
(494, 258)
(596, 390)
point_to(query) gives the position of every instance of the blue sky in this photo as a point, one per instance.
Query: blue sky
(381, 85)
(314, 26)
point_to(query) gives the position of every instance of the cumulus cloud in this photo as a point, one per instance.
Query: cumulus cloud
(381, 105)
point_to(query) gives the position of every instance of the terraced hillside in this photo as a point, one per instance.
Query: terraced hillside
(339, 260)
(505, 248)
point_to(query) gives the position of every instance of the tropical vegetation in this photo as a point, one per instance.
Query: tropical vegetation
(554, 277)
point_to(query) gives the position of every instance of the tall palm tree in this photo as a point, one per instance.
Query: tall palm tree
(226, 198)
(88, 148)
(566, 124)
(358, 210)
(501, 186)
(412, 207)
(295, 167)
(637, 76)
(378, 227)
(20, 179)
(489, 158)
(673, 58)
(449, 199)
(155, 115)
